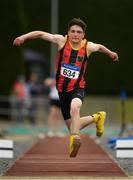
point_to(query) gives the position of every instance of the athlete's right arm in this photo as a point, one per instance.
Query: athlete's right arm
(55, 38)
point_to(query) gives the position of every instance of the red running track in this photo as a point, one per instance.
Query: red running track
(49, 157)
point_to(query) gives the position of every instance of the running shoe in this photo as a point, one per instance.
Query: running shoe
(75, 143)
(99, 119)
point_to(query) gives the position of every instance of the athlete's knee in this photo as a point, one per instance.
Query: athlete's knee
(75, 109)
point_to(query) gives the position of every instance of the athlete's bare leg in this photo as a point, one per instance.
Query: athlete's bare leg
(75, 115)
(76, 123)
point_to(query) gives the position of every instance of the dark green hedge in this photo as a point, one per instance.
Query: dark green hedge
(108, 22)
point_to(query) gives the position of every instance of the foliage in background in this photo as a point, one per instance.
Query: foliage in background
(108, 22)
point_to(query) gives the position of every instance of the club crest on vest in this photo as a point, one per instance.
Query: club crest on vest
(80, 58)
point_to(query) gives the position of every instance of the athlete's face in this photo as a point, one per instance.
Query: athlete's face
(76, 34)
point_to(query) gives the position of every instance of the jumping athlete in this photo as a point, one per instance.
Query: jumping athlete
(73, 53)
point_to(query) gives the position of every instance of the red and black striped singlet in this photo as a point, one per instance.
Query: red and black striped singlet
(70, 67)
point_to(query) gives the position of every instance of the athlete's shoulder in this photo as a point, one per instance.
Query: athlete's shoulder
(63, 40)
(58, 38)
(91, 46)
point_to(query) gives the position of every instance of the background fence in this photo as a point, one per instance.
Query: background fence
(112, 105)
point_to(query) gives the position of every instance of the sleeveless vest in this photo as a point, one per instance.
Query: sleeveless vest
(71, 67)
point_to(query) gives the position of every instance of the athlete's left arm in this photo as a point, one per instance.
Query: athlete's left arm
(93, 47)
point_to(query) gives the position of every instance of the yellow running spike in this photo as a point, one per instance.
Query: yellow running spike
(99, 119)
(75, 143)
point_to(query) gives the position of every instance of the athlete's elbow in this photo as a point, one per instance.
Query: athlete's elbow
(101, 48)
(39, 34)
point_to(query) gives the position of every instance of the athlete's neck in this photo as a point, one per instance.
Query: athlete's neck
(75, 45)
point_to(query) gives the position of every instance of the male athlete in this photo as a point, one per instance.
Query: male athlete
(73, 53)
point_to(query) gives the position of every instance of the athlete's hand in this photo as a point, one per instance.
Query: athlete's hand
(114, 56)
(18, 41)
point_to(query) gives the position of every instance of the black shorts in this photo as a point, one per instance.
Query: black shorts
(66, 98)
(55, 102)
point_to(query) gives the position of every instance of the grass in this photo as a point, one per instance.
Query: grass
(112, 105)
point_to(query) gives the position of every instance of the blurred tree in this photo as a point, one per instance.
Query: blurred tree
(108, 22)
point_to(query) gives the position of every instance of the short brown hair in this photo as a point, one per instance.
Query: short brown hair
(78, 22)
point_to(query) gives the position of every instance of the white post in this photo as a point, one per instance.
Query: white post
(6, 148)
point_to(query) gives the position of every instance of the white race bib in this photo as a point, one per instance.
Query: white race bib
(70, 71)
